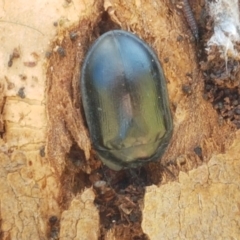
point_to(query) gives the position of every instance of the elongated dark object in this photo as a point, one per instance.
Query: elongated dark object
(190, 19)
(125, 101)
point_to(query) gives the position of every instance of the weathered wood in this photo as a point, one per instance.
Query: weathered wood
(44, 195)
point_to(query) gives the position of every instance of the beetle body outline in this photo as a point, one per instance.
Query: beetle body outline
(125, 101)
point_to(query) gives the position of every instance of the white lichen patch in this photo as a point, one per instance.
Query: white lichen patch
(225, 15)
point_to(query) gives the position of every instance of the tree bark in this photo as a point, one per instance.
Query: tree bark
(47, 164)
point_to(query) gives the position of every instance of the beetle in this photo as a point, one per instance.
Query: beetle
(125, 101)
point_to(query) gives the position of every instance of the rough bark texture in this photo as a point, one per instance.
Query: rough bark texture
(47, 166)
(202, 204)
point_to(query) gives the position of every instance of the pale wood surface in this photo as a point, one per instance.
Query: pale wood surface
(201, 203)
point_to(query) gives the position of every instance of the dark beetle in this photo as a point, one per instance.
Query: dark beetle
(125, 101)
